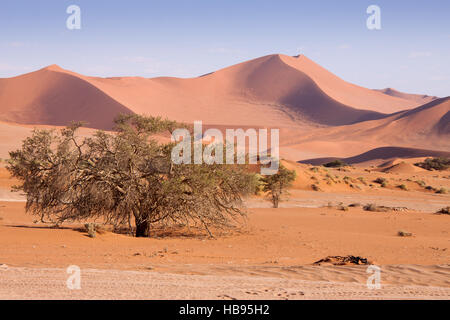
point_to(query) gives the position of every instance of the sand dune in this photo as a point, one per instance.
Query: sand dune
(319, 114)
(425, 127)
(383, 153)
(52, 97)
(271, 90)
(403, 167)
(348, 93)
(419, 98)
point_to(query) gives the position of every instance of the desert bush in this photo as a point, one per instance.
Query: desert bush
(90, 228)
(421, 183)
(354, 205)
(375, 208)
(123, 175)
(445, 210)
(435, 164)
(275, 185)
(404, 234)
(335, 164)
(403, 187)
(380, 180)
(315, 187)
(442, 191)
(362, 180)
(94, 228)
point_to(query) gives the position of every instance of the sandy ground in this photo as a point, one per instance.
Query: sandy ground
(270, 258)
(26, 283)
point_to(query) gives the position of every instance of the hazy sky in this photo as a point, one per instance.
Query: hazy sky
(187, 38)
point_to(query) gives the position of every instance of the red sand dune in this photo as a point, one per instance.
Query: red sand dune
(51, 96)
(319, 114)
(274, 89)
(384, 153)
(425, 127)
(419, 98)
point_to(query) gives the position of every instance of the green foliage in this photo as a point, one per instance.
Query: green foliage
(435, 164)
(335, 164)
(275, 185)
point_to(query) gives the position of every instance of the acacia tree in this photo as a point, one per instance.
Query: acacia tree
(123, 176)
(275, 185)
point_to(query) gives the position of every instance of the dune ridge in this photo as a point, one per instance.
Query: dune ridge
(383, 153)
(319, 114)
(274, 89)
(420, 98)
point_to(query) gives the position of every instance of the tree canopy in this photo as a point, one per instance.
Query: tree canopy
(123, 176)
(276, 185)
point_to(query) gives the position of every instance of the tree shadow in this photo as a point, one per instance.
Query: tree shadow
(40, 227)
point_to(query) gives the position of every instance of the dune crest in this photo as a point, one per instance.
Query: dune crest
(271, 90)
(419, 98)
(319, 114)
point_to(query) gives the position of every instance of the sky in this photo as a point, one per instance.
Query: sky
(188, 38)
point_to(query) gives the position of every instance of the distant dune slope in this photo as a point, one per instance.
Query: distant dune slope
(51, 97)
(348, 93)
(383, 153)
(274, 90)
(319, 114)
(425, 127)
(419, 98)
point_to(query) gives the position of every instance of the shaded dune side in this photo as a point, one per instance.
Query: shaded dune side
(55, 98)
(433, 116)
(382, 153)
(348, 93)
(271, 80)
(443, 126)
(420, 98)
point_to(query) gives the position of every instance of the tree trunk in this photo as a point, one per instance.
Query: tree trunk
(142, 229)
(275, 201)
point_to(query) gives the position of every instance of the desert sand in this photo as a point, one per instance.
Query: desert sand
(270, 257)
(318, 114)
(298, 87)
(381, 133)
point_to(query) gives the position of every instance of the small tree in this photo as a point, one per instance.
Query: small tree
(123, 176)
(335, 164)
(435, 164)
(276, 185)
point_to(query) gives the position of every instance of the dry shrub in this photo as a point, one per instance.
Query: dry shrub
(375, 208)
(445, 210)
(404, 234)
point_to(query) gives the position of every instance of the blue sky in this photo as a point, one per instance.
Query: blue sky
(187, 38)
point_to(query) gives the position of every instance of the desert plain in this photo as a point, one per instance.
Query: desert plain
(381, 134)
